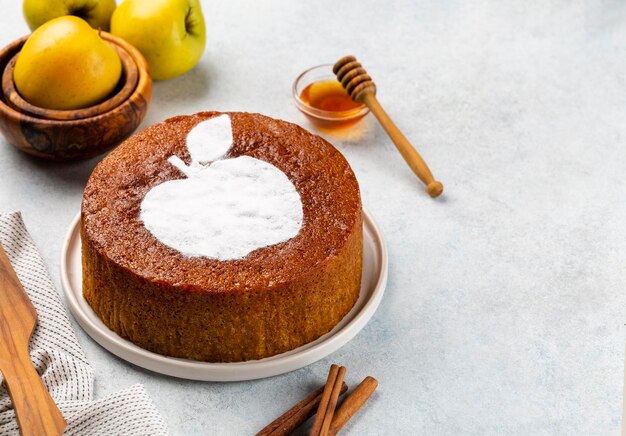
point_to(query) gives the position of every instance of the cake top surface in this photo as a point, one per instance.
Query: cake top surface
(300, 175)
(225, 207)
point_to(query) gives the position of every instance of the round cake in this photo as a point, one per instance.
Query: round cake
(222, 237)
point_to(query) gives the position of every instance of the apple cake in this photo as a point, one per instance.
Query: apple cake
(222, 237)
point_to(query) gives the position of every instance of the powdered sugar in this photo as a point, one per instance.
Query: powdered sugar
(210, 140)
(224, 210)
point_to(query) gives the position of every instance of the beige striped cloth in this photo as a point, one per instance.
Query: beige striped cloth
(60, 360)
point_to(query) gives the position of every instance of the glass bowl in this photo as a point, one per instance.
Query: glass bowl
(319, 117)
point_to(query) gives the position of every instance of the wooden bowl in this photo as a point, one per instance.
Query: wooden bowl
(121, 93)
(81, 133)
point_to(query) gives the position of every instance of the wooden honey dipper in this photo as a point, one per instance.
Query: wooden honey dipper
(361, 89)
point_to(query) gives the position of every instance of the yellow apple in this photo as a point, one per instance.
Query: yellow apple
(169, 33)
(65, 64)
(96, 12)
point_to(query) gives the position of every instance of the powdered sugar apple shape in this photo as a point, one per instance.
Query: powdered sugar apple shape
(224, 208)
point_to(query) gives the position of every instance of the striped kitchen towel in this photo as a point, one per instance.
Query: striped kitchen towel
(60, 360)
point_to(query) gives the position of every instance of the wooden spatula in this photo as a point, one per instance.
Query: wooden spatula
(35, 410)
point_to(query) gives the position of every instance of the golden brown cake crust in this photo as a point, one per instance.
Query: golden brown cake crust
(273, 300)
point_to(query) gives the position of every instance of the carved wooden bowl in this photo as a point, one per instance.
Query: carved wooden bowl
(80, 133)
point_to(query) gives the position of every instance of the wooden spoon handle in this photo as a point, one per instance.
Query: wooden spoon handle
(36, 412)
(408, 152)
(34, 408)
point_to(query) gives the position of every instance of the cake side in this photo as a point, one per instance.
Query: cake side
(224, 327)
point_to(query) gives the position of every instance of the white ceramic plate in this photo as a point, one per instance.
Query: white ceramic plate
(373, 285)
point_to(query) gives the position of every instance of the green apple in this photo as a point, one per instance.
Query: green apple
(169, 33)
(96, 12)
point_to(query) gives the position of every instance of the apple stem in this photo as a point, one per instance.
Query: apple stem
(180, 165)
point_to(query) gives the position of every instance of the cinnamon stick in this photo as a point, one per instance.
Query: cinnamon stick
(321, 409)
(332, 403)
(352, 404)
(329, 398)
(297, 415)
(285, 417)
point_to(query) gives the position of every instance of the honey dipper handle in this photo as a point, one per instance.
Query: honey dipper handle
(36, 412)
(408, 152)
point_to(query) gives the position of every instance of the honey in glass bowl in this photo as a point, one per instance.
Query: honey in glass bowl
(328, 95)
(324, 101)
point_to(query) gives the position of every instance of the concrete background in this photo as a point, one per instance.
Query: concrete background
(504, 312)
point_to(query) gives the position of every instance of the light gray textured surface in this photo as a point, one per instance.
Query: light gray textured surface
(504, 312)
